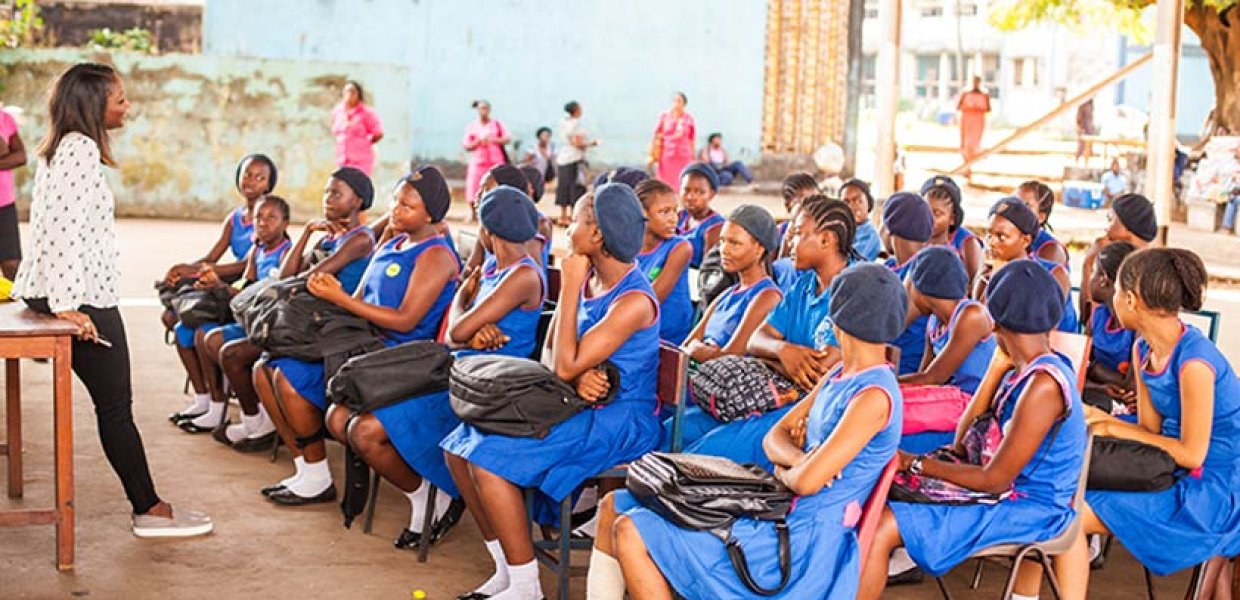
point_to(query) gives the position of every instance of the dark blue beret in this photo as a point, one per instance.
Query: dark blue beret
(506, 174)
(620, 219)
(1136, 212)
(626, 175)
(759, 223)
(536, 182)
(705, 170)
(505, 212)
(868, 302)
(945, 183)
(1024, 297)
(907, 215)
(359, 182)
(433, 189)
(937, 272)
(1019, 213)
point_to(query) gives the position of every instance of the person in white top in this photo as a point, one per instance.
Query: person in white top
(570, 161)
(72, 272)
(714, 155)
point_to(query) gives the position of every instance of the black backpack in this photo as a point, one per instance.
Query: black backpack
(194, 307)
(516, 397)
(285, 319)
(712, 279)
(378, 379)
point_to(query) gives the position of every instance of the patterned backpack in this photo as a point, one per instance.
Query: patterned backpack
(735, 387)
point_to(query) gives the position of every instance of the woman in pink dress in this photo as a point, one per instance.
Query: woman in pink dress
(356, 128)
(484, 140)
(973, 106)
(674, 139)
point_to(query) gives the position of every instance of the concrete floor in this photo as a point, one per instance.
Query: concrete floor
(259, 549)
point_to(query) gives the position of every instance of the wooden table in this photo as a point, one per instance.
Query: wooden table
(26, 334)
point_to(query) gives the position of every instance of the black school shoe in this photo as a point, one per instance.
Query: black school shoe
(176, 418)
(408, 540)
(258, 444)
(911, 576)
(271, 489)
(188, 426)
(286, 497)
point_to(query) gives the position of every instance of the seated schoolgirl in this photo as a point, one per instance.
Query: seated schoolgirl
(856, 193)
(271, 242)
(404, 291)
(908, 221)
(606, 312)
(944, 197)
(255, 176)
(1037, 461)
(664, 260)
(1188, 404)
(1012, 229)
(748, 241)
(1132, 219)
(1041, 200)
(830, 451)
(493, 312)
(539, 246)
(1110, 381)
(697, 221)
(796, 188)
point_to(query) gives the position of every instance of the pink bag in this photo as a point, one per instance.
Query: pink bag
(932, 407)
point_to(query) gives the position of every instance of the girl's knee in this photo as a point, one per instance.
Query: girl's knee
(366, 434)
(337, 420)
(625, 536)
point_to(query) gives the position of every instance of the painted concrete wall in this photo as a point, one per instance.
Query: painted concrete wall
(194, 117)
(621, 60)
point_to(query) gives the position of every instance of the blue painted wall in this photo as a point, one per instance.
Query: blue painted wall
(621, 60)
(1194, 96)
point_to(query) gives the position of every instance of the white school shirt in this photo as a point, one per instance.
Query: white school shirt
(73, 257)
(568, 153)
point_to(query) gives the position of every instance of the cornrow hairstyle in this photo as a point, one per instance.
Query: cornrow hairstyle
(1045, 196)
(1112, 256)
(830, 214)
(939, 192)
(651, 188)
(797, 182)
(1168, 280)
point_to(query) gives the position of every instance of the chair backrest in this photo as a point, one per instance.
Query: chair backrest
(893, 355)
(672, 385)
(1076, 347)
(553, 283)
(1205, 320)
(873, 509)
(1062, 542)
(442, 335)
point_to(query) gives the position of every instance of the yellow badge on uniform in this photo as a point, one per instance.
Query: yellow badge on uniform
(392, 270)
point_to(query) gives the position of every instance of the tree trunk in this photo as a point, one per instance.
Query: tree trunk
(1220, 38)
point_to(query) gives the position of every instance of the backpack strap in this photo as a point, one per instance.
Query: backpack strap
(737, 555)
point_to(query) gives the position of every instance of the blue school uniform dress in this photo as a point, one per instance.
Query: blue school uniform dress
(1043, 239)
(866, 242)
(826, 560)
(415, 426)
(960, 239)
(1070, 322)
(785, 274)
(384, 283)
(264, 263)
(1112, 344)
(696, 234)
(676, 312)
(592, 440)
(969, 375)
(1198, 517)
(351, 275)
(241, 238)
(912, 342)
(939, 536)
(730, 309)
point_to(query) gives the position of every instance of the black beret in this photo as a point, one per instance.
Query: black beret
(359, 182)
(759, 223)
(907, 215)
(937, 272)
(433, 189)
(1024, 297)
(620, 219)
(505, 212)
(868, 302)
(1018, 213)
(1136, 212)
(705, 170)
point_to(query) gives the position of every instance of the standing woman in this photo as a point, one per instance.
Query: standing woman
(674, 138)
(356, 128)
(484, 140)
(12, 157)
(72, 272)
(570, 160)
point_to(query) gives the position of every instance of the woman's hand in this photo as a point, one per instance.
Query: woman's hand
(318, 225)
(86, 327)
(1119, 392)
(469, 285)
(904, 460)
(797, 432)
(326, 287)
(573, 271)
(488, 338)
(801, 364)
(593, 385)
(178, 272)
(207, 278)
(701, 351)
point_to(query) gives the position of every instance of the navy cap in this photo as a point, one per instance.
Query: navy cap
(504, 212)
(626, 175)
(908, 216)
(704, 170)
(937, 272)
(1015, 210)
(537, 184)
(759, 223)
(433, 189)
(868, 302)
(1024, 297)
(506, 174)
(261, 158)
(620, 219)
(359, 182)
(1136, 212)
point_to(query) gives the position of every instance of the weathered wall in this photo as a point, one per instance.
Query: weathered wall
(173, 27)
(194, 116)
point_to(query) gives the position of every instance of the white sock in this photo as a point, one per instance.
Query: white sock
(315, 478)
(299, 463)
(1095, 546)
(1020, 597)
(257, 425)
(213, 416)
(417, 505)
(235, 432)
(523, 583)
(499, 581)
(900, 562)
(199, 404)
(605, 580)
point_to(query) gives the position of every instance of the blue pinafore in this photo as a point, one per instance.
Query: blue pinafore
(970, 372)
(960, 239)
(1070, 322)
(241, 235)
(1044, 238)
(676, 311)
(351, 274)
(1112, 344)
(696, 234)
(730, 309)
(826, 561)
(912, 342)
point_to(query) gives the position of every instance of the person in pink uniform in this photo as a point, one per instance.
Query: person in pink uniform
(484, 140)
(674, 139)
(973, 106)
(12, 157)
(357, 129)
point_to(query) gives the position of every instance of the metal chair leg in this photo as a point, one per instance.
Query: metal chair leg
(1011, 580)
(1049, 572)
(1149, 583)
(566, 552)
(943, 588)
(369, 519)
(275, 449)
(428, 522)
(977, 574)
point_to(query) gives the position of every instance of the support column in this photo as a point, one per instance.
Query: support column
(1160, 149)
(887, 92)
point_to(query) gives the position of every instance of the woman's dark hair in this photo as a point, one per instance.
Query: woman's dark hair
(478, 102)
(1045, 196)
(540, 130)
(572, 107)
(649, 188)
(272, 174)
(794, 183)
(832, 215)
(78, 102)
(281, 204)
(683, 98)
(939, 192)
(711, 138)
(361, 94)
(1166, 279)
(1112, 256)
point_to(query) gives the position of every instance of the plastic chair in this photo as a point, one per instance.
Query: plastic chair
(872, 512)
(1211, 319)
(1076, 348)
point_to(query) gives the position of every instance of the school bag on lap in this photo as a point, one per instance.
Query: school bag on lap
(736, 387)
(516, 397)
(377, 379)
(194, 307)
(1130, 466)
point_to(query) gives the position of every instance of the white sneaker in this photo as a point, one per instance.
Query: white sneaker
(183, 523)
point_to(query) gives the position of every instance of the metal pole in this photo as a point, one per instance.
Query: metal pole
(887, 91)
(1160, 151)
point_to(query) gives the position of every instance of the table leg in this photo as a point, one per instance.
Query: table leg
(63, 417)
(13, 418)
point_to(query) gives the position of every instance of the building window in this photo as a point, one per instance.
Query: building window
(1025, 72)
(930, 8)
(871, 9)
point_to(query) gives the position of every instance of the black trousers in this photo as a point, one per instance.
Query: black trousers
(105, 373)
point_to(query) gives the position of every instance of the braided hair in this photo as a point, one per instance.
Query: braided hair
(1045, 196)
(939, 192)
(795, 183)
(830, 214)
(1112, 256)
(1168, 280)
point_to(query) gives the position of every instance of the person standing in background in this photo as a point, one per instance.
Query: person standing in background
(484, 140)
(675, 137)
(973, 106)
(570, 161)
(12, 156)
(357, 129)
(1084, 126)
(541, 154)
